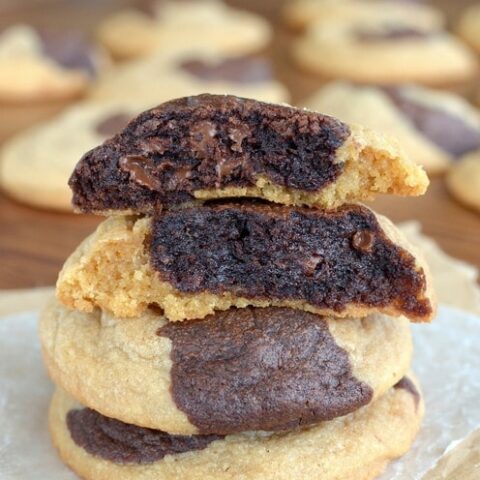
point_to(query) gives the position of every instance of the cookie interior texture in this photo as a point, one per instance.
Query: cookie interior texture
(218, 145)
(191, 262)
(356, 446)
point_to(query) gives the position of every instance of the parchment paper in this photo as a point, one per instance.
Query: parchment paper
(446, 362)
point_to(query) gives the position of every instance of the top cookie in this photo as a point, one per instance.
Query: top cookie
(213, 146)
(207, 24)
(44, 65)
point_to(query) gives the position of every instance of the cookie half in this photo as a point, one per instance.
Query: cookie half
(36, 164)
(435, 128)
(385, 53)
(463, 180)
(357, 446)
(208, 24)
(212, 146)
(243, 369)
(168, 75)
(191, 262)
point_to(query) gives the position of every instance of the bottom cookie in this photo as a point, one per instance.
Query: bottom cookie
(357, 446)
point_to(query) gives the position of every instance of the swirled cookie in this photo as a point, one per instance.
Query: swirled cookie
(242, 369)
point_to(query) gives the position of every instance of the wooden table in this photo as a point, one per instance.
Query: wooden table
(34, 243)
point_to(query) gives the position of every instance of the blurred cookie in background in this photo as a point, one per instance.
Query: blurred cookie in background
(170, 75)
(385, 52)
(468, 26)
(463, 180)
(299, 14)
(434, 127)
(161, 25)
(35, 165)
(41, 72)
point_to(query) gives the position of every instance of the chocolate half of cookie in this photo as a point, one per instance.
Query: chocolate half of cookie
(260, 369)
(122, 443)
(340, 260)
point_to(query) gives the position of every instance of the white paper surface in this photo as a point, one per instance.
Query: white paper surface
(447, 362)
(25, 449)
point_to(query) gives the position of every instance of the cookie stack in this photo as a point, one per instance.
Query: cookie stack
(238, 315)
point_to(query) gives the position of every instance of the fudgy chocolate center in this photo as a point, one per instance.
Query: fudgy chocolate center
(327, 259)
(236, 69)
(205, 142)
(446, 130)
(122, 443)
(260, 369)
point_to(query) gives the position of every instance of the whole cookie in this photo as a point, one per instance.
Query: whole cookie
(469, 25)
(435, 128)
(35, 165)
(40, 66)
(243, 369)
(194, 261)
(384, 53)
(298, 14)
(208, 24)
(172, 74)
(357, 446)
(463, 180)
(209, 146)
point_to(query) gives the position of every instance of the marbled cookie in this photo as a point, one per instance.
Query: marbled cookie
(212, 146)
(35, 165)
(384, 53)
(193, 261)
(298, 14)
(358, 445)
(173, 74)
(435, 128)
(463, 180)
(238, 370)
(36, 66)
(207, 24)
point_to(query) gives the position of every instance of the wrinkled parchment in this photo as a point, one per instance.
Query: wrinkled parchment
(447, 362)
